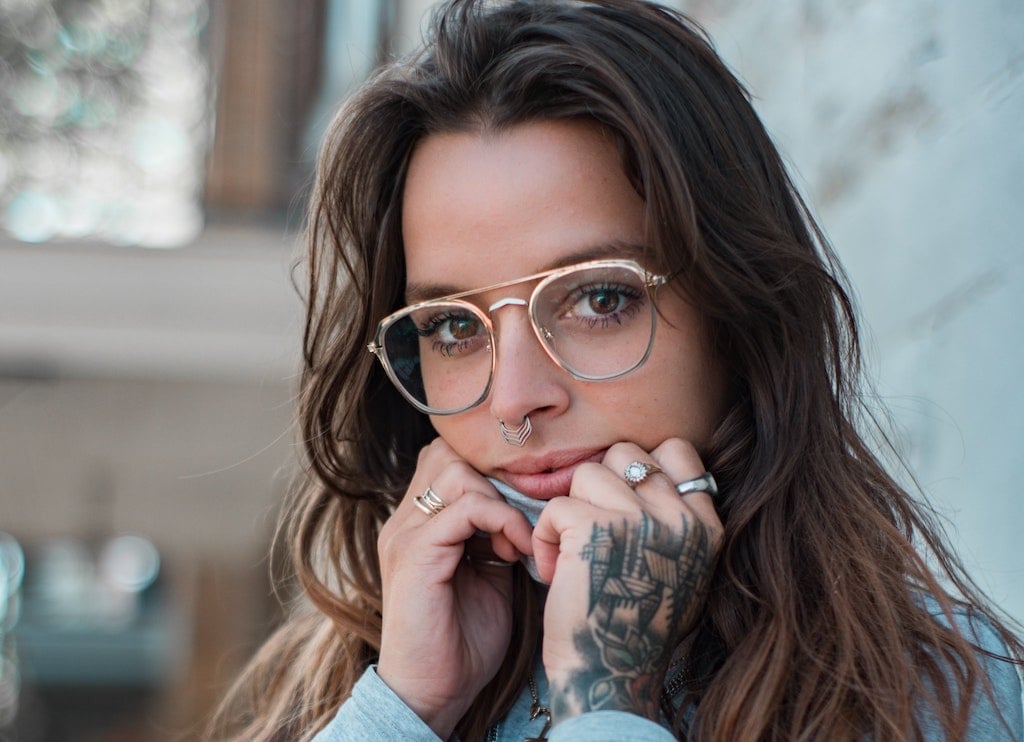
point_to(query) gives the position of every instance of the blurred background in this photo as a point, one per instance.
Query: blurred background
(154, 160)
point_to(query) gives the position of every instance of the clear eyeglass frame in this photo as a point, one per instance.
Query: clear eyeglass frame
(545, 278)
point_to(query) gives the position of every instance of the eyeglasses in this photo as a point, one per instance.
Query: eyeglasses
(594, 319)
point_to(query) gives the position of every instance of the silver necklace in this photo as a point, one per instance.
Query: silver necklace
(536, 710)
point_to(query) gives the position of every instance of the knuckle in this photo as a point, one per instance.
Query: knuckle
(715, 535)
(665, 482)
(388, 534)
(588, 469)
(461, 469)
(384, 538)
(676, 448)
(619, 450)
(436, 447)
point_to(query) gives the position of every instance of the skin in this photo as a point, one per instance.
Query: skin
(484, 207)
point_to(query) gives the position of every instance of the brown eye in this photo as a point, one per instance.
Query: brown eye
(464, 328)
(603, 302)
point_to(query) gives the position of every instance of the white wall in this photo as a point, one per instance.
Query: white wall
(903, 122)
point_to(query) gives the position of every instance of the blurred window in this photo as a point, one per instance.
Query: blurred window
(103, 119)
(130, 121)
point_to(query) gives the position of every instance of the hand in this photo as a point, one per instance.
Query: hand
(629, 570)
(447, 621)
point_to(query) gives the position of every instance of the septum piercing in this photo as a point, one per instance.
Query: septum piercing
(516, 436)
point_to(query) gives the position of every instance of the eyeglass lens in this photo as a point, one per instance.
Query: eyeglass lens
(596, 322)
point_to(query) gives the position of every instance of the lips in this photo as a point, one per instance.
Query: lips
(547, 476)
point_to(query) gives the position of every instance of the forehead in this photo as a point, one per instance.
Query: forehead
(484, 207)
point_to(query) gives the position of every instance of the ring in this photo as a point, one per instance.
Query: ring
(704, 483)
(429, 503)
(490, 562)
(516, 436)
(637, 472)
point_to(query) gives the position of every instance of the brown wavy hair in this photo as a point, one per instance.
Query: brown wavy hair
(816, 626)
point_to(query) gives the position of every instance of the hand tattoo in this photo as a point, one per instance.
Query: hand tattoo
(646, 582)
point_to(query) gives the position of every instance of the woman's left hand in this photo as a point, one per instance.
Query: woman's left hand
(629, 569)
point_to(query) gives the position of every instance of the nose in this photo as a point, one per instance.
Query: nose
(526, 380)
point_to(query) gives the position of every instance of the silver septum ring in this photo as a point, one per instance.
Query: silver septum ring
(704, 483)
(516, 436)
(637, 472)
(429, 503)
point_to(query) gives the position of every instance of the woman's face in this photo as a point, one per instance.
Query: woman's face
(481, 208)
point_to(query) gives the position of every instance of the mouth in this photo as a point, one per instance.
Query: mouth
(548, 476)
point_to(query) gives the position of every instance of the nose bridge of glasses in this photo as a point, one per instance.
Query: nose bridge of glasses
(508, 301)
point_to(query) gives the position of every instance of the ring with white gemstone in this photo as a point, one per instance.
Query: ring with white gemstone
(636, 472)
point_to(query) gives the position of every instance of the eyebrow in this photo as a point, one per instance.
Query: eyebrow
(416, 292)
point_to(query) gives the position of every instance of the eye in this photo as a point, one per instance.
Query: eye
(459, 328)
(452, 332)
(603, 301)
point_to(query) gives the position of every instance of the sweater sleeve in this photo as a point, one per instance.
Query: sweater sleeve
(995, 715)
(374, 712)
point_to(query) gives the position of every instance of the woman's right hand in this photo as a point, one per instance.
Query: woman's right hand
(447, 621)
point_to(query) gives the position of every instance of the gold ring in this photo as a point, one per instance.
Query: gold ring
(429, 503)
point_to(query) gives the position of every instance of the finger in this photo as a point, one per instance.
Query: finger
(480, 551)
(629, 460)
(554, 536)
(457, 480)
(681, 462)
(443, 480)
(475, 508)
(431, 461)
(598, 485)
(510, 532)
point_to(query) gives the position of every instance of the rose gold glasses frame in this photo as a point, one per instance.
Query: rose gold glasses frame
(377, 346)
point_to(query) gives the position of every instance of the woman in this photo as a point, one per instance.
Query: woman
(588, 281)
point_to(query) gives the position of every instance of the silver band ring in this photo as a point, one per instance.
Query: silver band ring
(429, 503)
(704, 483)
(490, 562)
(637, 472)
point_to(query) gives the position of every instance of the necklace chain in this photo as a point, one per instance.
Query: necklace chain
(536, 710)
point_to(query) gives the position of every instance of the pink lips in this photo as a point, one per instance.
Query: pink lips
(548, 476)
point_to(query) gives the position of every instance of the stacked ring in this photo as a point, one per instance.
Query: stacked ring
(637, 472)
(704, 483)
(429, 503)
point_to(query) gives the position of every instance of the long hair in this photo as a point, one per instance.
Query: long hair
(819, 620)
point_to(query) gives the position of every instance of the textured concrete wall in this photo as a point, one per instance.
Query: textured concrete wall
(903, 124)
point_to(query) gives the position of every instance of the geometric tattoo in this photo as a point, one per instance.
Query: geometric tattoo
(647, 583)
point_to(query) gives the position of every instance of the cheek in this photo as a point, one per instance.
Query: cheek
(467, 433)
(684, 389)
